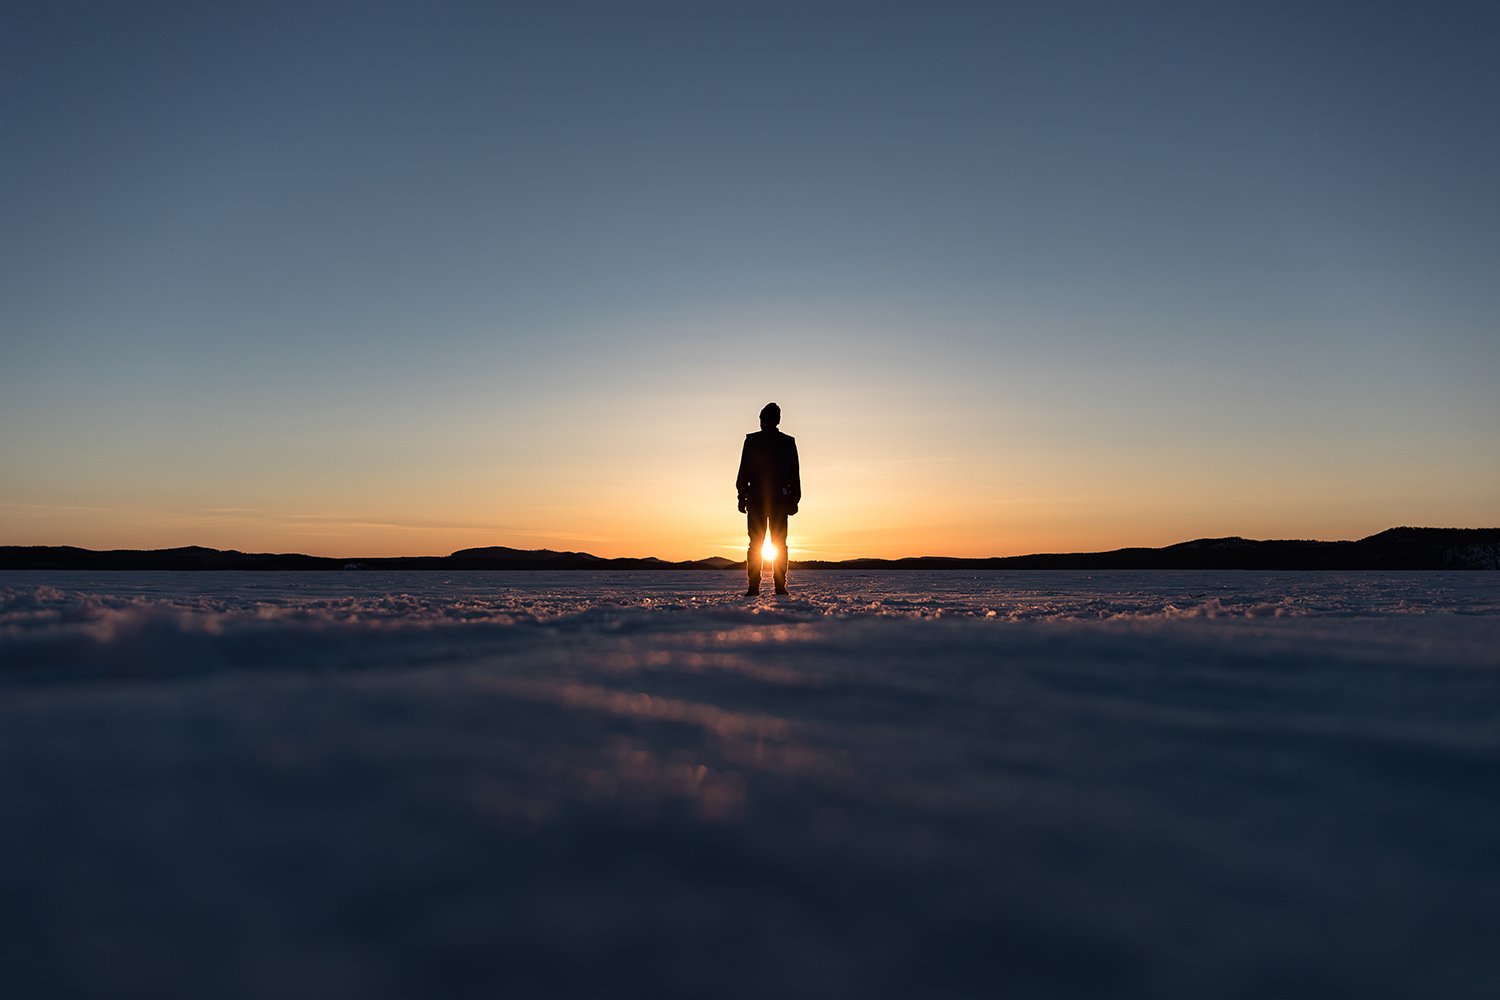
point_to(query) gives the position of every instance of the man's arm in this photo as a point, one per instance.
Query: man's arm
(742, 478)
(796, 480)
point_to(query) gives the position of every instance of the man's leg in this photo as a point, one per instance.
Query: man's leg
(756, 523)
(778, 538)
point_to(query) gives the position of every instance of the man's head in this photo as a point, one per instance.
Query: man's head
(770, 416)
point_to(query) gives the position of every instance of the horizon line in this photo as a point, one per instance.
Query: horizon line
(700, 559)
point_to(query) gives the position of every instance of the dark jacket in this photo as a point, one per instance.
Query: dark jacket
(770, 481)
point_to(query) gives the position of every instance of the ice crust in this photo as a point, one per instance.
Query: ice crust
(634, 784)
(175, 622)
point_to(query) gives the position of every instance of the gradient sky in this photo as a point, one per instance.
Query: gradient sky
(403, 278)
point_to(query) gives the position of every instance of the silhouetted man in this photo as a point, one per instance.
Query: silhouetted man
(770, 487)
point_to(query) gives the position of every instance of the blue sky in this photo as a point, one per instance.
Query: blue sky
(406, 277)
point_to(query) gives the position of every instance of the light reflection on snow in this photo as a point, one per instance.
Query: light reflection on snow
(719, 722)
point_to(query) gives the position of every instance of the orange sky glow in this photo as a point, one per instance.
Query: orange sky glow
(615, 490)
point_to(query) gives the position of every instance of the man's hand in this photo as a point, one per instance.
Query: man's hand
(792, 511)
(743, 508)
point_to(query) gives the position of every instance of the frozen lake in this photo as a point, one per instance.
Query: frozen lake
(890, 784)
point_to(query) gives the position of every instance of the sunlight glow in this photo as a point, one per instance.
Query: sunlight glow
(768, 550)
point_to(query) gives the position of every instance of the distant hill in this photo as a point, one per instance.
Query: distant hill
(1397, 548)
(194, 557)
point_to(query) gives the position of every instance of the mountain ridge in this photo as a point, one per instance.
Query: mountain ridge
(1402, 548)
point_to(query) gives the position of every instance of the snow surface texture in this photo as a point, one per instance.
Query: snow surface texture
(633, 784)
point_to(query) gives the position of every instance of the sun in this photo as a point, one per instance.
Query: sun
(768, 551)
